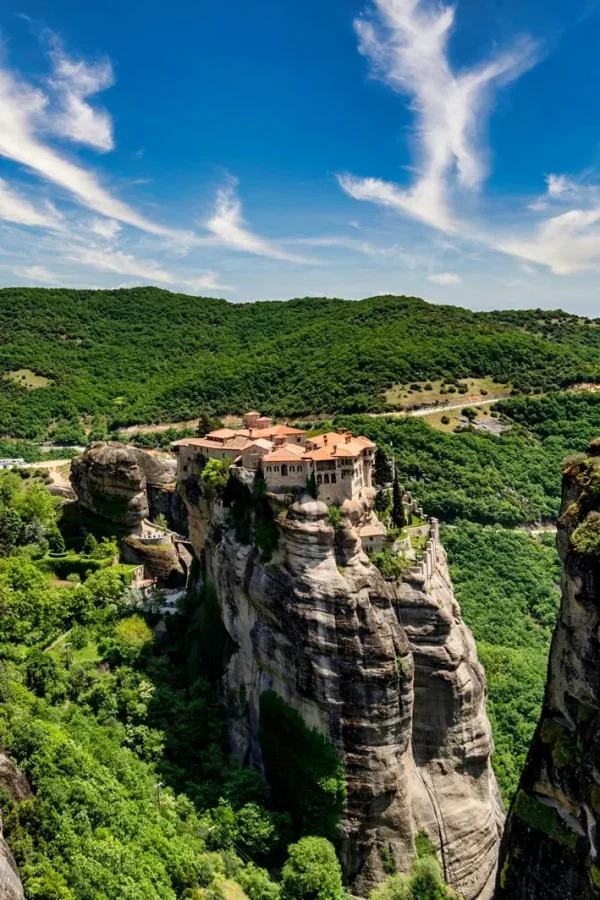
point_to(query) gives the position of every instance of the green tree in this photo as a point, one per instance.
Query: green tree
(398, 515)
(312, 871)
(207, 422)
(427, 882)
(90, 545)
(311, 485)
(382, 469)
(215, 476)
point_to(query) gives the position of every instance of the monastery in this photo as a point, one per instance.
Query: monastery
(341, 463)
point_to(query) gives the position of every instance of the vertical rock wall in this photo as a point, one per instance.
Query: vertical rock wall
(550, 850)
(388, 672)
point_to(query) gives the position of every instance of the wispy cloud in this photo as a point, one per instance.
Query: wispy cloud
(445, 278)
(406, 42)
(152, 272)
(73, 81)
(25, 114)
(105, 228)
(36, 273)
(228, 225)
(16, 208)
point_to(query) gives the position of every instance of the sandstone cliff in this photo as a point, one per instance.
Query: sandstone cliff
(386, 670)
(126, 485)
(13, 781)
(550, 849)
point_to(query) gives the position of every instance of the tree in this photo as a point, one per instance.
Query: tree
(215, 476)
(90, 545)
(311, 485)
(398, 515)
(382, 469)
(427, 882)
(207, 422)
(312, 871)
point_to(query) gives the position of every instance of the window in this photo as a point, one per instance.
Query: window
(319, 479)
(326, 478)
(333, 478)
(284, 470)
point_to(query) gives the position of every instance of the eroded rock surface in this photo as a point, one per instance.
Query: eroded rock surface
(109, 482)
(387, 671)
(13, 780)
(550, 850)
(126, 485)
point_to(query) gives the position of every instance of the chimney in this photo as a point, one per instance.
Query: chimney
(325, 439)
(250, 433)
(348, 436)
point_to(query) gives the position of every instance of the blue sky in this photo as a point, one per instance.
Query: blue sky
(269, 150)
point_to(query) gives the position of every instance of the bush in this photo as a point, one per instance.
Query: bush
(312, 871)
(445, 420)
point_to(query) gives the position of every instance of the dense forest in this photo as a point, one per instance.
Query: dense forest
(122, 735)
(144, 354)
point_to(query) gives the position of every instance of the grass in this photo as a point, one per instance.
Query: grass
(27, 378)
(401, 396)
(87, 654)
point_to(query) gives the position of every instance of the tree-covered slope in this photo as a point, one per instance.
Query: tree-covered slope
(145, 354)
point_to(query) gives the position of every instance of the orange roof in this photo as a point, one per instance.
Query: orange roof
(277, 430)
(253, 412)
(262, 443)
(236, 443)
(282, 454)
(336, 442)
(221, 434)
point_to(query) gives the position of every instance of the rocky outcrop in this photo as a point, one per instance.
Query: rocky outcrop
(110, 483)
(12, 780)
(126, 485)
(387, 671)
(551, 846)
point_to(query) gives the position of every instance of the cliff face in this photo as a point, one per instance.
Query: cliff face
(126, 485)
(387, 671)
(13, 781)
(550, 849)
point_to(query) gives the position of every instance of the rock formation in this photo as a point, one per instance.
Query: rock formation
(550, 850)
(110, 483)
(126, 485)
(386, 670)
(12, 780)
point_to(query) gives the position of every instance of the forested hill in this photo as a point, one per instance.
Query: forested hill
(145, 354)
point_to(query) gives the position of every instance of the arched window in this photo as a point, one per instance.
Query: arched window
(333, 478)
(319, 479)
(284, 470)
(326, 478)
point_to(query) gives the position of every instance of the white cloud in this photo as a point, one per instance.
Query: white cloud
(227, 224)
(16, 208)
(23, 114)
(445, 278)
(406, 42)
(36, 273)
(73, 81)
(105, 228)
(152, 272)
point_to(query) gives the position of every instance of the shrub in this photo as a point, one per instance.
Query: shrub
(445, 420)
(312, 871)
(334, 515)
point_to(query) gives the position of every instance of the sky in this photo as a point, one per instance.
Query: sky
(268, 150)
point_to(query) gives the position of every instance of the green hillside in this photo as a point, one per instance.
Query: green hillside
(144, 354)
